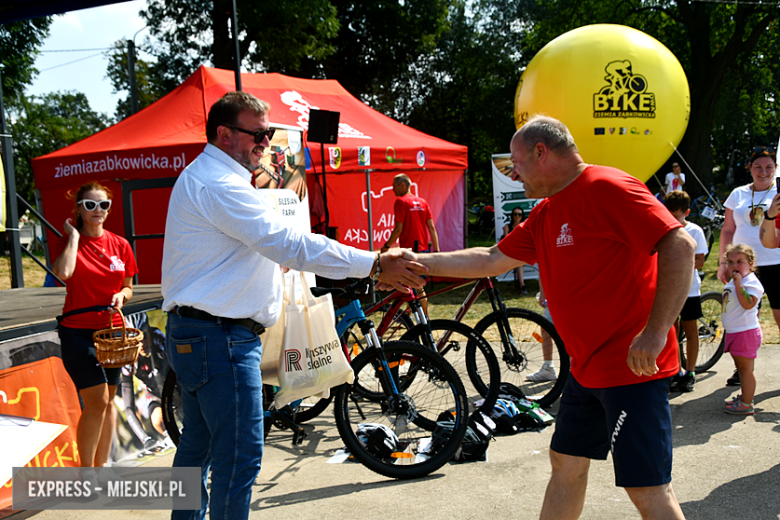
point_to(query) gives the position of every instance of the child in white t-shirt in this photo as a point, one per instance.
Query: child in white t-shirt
(740, 321)
(678, 203)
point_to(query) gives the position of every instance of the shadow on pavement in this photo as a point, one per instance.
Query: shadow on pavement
(318, 493)
(754, 497)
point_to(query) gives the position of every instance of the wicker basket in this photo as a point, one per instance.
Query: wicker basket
(116, 347)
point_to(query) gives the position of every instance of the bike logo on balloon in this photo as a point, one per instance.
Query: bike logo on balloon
(625, 94)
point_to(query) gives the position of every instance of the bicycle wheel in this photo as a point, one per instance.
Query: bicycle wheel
(469, 354)
(312, 407)
(171, 407)
(531, 333)
(406, 419)
(712, 336)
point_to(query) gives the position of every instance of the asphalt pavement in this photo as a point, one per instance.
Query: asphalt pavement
(725, 467)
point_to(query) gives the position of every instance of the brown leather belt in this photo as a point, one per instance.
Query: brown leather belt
(197, 314)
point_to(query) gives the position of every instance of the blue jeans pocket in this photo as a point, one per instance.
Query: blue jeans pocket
(188, 360)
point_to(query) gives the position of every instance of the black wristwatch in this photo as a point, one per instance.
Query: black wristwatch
(378, 269)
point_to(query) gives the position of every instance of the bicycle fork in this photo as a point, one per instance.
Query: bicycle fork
(383, 368)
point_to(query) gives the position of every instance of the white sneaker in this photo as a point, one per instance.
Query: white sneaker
(546, 373)
(89, 476)
(106, 475)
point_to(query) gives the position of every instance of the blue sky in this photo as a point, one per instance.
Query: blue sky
(95, 28)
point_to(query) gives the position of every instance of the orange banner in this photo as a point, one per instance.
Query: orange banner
(43, 391)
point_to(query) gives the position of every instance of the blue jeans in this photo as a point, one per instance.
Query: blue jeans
(218, 368)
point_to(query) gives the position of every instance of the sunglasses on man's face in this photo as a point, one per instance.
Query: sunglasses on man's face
(92, 205)
(259, 135)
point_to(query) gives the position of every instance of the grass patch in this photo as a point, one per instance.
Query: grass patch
(33, 273)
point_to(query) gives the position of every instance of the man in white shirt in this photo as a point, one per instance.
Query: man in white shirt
(221, 284)
(675, 179)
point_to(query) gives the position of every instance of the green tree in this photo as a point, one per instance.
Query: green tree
(376, 45)
(463, 92)
(19, 43)
(363, 45)
(717, 43)
(44, 124)
(273, 36)
(149, 79)
(746, 114)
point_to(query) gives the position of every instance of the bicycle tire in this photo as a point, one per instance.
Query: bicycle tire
(469, 354)
(712, 335)
(311, 408)
(434, 389)
(171, 407)
(528, 330)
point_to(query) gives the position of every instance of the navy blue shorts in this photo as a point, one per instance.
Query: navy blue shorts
(691, 309)
(633, 422)
(78, 356)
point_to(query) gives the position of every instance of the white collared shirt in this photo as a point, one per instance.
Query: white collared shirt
(223, 245)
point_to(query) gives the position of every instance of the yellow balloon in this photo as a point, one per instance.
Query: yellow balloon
(622, 93)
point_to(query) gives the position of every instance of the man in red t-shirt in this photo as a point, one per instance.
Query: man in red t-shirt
(413, 223)
(616, 268)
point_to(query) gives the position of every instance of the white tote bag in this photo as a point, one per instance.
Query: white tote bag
(311, 361)
(271, 340)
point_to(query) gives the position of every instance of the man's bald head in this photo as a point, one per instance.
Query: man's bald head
(548, 131)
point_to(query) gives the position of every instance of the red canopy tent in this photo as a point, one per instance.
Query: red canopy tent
(162, 139)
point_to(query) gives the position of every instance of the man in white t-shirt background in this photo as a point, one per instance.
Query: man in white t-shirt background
(675, 180)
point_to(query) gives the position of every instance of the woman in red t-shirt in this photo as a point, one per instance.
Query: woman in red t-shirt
(99, 267)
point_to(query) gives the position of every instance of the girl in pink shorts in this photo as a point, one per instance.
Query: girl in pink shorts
(740, 320)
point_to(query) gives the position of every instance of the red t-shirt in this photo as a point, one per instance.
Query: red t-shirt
(102, 265)
(414, 213)
(594, 243)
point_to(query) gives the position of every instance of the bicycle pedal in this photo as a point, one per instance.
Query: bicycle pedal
(299, 436)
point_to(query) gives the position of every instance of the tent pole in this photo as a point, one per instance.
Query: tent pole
(12, 217)
(466, 207)
(131, 76)
(235, 46)
(368, 207)
(370, 227)
(325, 191)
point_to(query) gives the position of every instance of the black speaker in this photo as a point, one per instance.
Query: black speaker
(323, 126)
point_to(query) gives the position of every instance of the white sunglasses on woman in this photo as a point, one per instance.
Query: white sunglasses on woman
(92, 205)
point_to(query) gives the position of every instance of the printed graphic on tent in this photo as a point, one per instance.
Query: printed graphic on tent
(283, 165)
(445, 195)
